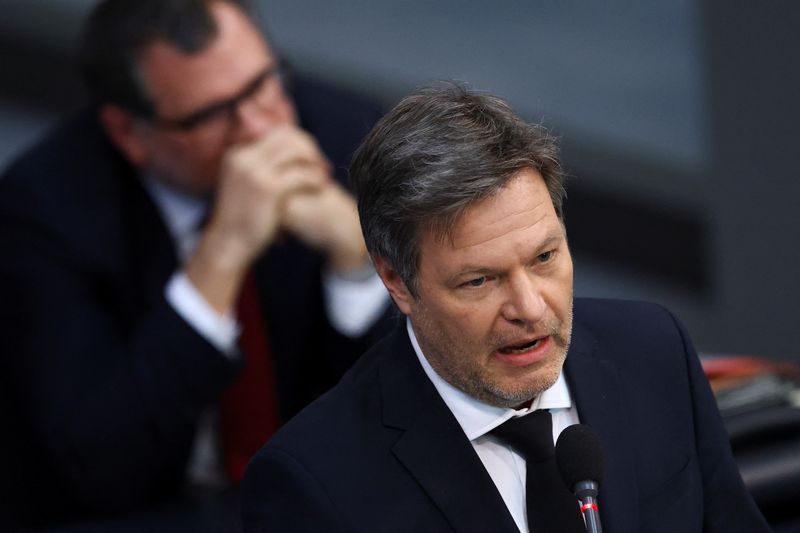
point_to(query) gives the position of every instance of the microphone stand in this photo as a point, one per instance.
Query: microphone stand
(586, 491)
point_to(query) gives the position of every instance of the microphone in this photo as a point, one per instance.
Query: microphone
(580, 462)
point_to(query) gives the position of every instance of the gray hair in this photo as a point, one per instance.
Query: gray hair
(440, 150)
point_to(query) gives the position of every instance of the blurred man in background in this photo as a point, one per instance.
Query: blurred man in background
(182, 268)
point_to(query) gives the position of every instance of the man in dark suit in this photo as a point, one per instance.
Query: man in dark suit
(461, 208)
(127, 236)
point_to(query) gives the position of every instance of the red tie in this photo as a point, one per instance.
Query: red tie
(249, 407)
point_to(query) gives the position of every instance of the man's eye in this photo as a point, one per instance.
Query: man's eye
(477, 282)
(545, 257)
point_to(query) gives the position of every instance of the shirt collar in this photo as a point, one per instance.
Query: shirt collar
(182, 213)
(477, 418)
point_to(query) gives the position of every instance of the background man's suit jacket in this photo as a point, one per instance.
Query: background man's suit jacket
(102, 381)
(382, 452)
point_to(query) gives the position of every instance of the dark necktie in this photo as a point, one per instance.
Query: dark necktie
(249, 407)
(552, 508)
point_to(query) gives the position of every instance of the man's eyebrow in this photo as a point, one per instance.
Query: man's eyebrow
(470, 270)
(550, 240)
(482, 270)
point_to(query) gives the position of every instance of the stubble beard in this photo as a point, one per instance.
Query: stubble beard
(456, 364)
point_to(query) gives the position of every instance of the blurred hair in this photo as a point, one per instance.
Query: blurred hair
(116, 33)
(440, 150)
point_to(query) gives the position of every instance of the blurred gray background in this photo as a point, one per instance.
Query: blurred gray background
(678, 123)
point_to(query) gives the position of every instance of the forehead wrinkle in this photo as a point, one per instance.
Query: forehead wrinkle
(501, 220)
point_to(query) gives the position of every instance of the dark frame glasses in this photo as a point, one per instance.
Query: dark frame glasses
(226, 107)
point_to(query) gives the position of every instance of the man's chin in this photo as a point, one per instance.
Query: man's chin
(514, 391)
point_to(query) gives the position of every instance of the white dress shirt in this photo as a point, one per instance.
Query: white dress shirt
(506, 467)
(352, 307)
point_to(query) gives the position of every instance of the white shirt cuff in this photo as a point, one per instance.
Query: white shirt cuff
(220, 330)
(353, 305)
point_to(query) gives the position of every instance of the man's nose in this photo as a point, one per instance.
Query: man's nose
(524, 302)
(251, 122)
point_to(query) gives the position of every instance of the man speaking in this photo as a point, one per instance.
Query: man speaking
(449, 423)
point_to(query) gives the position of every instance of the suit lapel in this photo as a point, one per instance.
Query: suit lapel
(434, 448)
(595, 387)
(153, 257)
(129, 245)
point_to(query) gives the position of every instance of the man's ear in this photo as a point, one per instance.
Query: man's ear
(125, 132)
(394, 284)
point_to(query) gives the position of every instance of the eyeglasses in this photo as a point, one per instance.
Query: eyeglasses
(263, 90)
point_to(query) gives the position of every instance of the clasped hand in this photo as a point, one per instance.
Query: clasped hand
(279, 182)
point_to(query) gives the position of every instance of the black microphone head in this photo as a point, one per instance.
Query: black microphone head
(579, 456)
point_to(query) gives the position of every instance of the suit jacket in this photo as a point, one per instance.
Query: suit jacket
(102, 381)
(382, 452)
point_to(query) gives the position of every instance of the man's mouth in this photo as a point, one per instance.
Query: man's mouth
(520, 348)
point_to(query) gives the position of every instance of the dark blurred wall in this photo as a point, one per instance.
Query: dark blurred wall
(754, 182)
